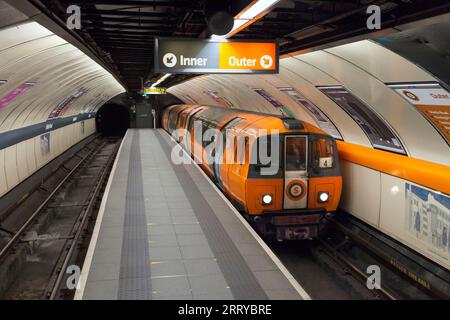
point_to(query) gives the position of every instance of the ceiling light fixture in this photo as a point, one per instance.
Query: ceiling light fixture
(160, 80)
(252, 13)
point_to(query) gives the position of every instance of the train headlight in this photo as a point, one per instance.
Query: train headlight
(323, 197)
(267, 199)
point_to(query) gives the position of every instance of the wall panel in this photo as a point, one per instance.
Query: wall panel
(12, 177)
(3, 182)
(56, 69)
(22, 163)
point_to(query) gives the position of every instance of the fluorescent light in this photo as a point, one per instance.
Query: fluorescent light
(218, 38)
(247, 17)
(164, 77)
(256, 9)
(238, 23)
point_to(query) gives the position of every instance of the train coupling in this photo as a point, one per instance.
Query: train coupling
(298, 225)
(296, 233)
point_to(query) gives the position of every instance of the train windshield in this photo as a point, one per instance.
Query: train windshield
(296, 153)
(322, 153)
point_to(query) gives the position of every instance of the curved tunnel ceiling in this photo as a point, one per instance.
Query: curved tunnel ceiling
(33, 60)
(364, 69)
(427, 47)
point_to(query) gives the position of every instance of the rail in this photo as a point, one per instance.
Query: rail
(34, 215)
(84, 216)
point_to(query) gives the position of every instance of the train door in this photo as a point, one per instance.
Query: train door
(295, 172)
(187, 136)
(220, 157)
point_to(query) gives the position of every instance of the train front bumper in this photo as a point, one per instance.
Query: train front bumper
(292, 224)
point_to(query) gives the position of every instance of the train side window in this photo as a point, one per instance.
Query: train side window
(181, 119)
(173, 117)
(245, 154)
(296, 153)
(205, 127)
(199, 137)
(235, 149)
(192, 119)
(264, 147)
(177, 120)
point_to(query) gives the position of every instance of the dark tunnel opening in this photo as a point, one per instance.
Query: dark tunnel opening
(113, 120)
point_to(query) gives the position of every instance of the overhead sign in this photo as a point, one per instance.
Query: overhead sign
(431, 100)
(155, 91)
(209, 56)
(64, 105)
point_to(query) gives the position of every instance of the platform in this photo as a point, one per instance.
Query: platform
(165, 231)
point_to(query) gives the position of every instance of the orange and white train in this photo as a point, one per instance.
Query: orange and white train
(286, 197)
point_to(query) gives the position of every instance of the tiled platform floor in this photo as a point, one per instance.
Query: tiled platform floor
(164, 232)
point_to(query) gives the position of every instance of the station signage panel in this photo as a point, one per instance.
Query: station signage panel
(155, 91)
(209, 56)
(431, 100)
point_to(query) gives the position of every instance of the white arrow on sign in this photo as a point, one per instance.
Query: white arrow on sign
(170, 60)
(266, 61)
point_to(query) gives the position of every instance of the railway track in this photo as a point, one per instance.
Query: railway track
(342, 263)
(403, 274)
(50, 239)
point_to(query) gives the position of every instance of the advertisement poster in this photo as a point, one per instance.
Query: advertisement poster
(432, 101)
(6, 100)
(97, 101)
(45, 144)
(428, 218)
(274, 102)
(377, 131)
(322, 121)
(219, 99)
(64, 105)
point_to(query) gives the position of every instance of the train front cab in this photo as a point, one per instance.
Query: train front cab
(291, 204)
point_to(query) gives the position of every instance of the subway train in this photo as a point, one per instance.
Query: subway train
(391, 128)
(281, 173)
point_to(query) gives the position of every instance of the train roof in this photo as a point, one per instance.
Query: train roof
(217, 114)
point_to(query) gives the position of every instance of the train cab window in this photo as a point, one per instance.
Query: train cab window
(322, 153)
(295, 153)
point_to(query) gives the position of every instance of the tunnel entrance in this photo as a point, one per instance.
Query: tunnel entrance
(113, 120)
